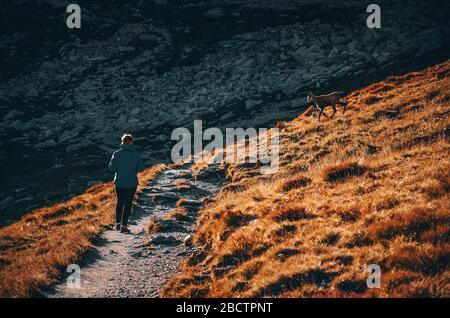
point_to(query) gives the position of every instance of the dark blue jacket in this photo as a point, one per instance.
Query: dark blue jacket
(126, 163)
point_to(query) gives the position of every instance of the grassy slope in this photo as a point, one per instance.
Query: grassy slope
(36, 249)
(369, 186)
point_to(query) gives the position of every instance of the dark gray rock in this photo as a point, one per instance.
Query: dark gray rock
(168, 226)
(165, 240)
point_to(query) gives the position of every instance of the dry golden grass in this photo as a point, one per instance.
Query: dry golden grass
(152, 225)
(295, 182)
(179, 213)
(36, 249)
(182, 184)
(342, 171)
(370, 186)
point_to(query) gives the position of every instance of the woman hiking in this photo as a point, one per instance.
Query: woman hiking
(126, 163)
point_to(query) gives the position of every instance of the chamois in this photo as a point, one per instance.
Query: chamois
(323, 101)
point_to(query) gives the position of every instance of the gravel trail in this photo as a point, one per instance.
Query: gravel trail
(123, 265)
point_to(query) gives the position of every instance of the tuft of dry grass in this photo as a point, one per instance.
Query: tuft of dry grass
(295, 182)
(35, 249)
(367, 187)
(181, 203)
(290, 212)
(179, 213)
(413, 224)
(429, 261)
(152, 225)
(182, 184)
(342, 171)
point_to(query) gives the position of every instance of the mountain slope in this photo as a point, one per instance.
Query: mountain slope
(35, 250)
(148, 67)
(367, 187)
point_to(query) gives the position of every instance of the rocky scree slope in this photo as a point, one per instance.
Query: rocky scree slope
(148, 66)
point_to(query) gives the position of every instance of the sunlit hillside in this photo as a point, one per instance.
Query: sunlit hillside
(35, 250)
(370, 186)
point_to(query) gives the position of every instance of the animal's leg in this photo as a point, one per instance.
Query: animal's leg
(334, 110)
(345, 106)
(317, 107)
(320, 113)
(323, 112)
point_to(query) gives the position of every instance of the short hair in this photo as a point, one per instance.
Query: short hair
(127, 139)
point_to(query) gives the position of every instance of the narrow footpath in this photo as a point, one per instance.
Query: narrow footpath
(126, 265)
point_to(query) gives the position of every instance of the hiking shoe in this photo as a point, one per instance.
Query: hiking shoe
(125, 229)
(117, 227)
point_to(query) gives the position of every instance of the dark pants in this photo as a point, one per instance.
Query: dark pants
(123, 205)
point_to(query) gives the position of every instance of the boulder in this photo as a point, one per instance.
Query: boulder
(214, 13)
(165, 240)
(165, 226)
(78, 147)
(13, 114)
(250, 103)
(342, 72)
(187, 241)
(45, 144)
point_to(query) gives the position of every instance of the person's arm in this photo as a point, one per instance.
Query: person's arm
(140, 165)
(112, 166)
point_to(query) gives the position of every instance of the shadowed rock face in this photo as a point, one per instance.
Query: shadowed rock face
(147, 67)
